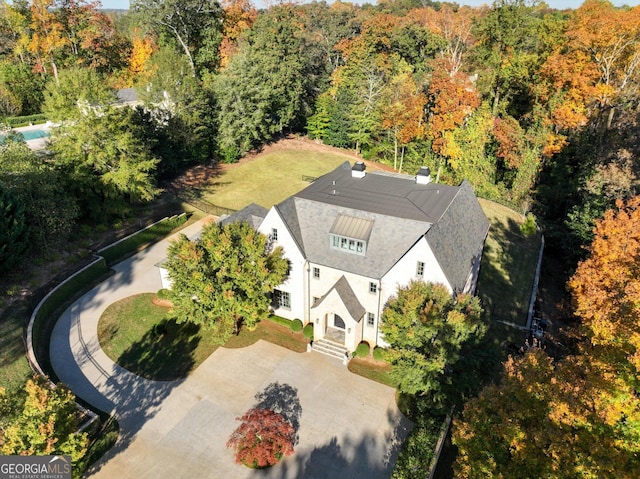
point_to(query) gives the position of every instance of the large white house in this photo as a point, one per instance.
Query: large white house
(353, 237)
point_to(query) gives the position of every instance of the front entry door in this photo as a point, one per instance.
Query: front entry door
(338, 322)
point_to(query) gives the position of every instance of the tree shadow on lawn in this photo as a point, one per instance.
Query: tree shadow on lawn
(507, 271)
(164, 353)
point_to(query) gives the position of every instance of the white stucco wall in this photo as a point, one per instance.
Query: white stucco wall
(360, 286)
(405, 270)
(295, 283)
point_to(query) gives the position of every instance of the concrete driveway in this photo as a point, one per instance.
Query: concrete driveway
(347, 426)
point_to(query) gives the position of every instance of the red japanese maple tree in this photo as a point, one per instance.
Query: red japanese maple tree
(263, 438)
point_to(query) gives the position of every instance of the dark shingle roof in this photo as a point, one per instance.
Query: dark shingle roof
(385, 194)
(252, 214)
(126, 95)
(457, 239)
(389, 239)
(288, 213)
(348, 297)
(399, 212)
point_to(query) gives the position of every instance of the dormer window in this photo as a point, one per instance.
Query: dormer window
(350, 234)
(349, 245)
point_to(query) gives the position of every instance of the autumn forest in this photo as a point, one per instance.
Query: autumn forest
(537, 108)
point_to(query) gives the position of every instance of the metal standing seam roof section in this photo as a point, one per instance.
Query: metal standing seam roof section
(352, 227)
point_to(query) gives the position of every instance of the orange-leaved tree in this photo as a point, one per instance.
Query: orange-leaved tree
(239, 15)
(579, 417)
(403, 112)
(47, 38)
(452, 99)
(263, 438)
(608, 38)
(606, 288)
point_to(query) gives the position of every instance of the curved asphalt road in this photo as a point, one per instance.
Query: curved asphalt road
(347, 426)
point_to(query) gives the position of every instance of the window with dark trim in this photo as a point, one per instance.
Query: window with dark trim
(420, 269)
(281, 299)
(373, 288)
(371, 319)
(316, 273)
(274, 234)
(349, 245)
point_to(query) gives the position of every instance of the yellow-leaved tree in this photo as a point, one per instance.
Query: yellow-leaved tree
(580, 416)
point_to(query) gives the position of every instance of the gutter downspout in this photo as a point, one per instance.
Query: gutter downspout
(306, 262)
(379, 318)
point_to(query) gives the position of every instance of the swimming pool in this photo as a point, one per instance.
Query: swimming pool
(34, 134)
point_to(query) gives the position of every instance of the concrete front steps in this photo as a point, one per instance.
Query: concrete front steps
(325, 346)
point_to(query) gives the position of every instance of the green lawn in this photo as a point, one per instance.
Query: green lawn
(508, 267)
(140, 337)
(14, 368)
(375, 370)
(270, 178)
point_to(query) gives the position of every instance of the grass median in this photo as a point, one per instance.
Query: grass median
(140, 336)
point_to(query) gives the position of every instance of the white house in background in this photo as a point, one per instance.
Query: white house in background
(353, 237)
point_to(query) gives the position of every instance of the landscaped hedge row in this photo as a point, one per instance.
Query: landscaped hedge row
(17, 121)
(295, 325)
(143, 238)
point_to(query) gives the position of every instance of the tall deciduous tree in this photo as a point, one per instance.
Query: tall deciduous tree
(426, 328)
(14, 231)
(107, 161)
(403, 112)
(37, 185)
(579, 417)
(455, 27)
(239, 16)
(263, 90)
(505, 432)
(76, 92)
(47, 38)
(610, 37)
(194, 24)
(223, 279)
(452, 98)
(606, 287)
(47, 423)
(507, 54)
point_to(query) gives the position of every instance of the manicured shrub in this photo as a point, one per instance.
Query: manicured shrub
(296, 325)
(378, 353)
(363, 349)
(280, 320)
(163, 294)
(529, 227)
(18, 121)
(308, 331)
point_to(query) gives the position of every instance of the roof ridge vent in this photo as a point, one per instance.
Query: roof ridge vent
(423, 177)
(357, 170)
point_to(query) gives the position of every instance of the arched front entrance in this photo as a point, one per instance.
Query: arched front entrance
(334, 328)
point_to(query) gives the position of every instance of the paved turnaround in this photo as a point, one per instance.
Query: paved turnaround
(347, 426)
